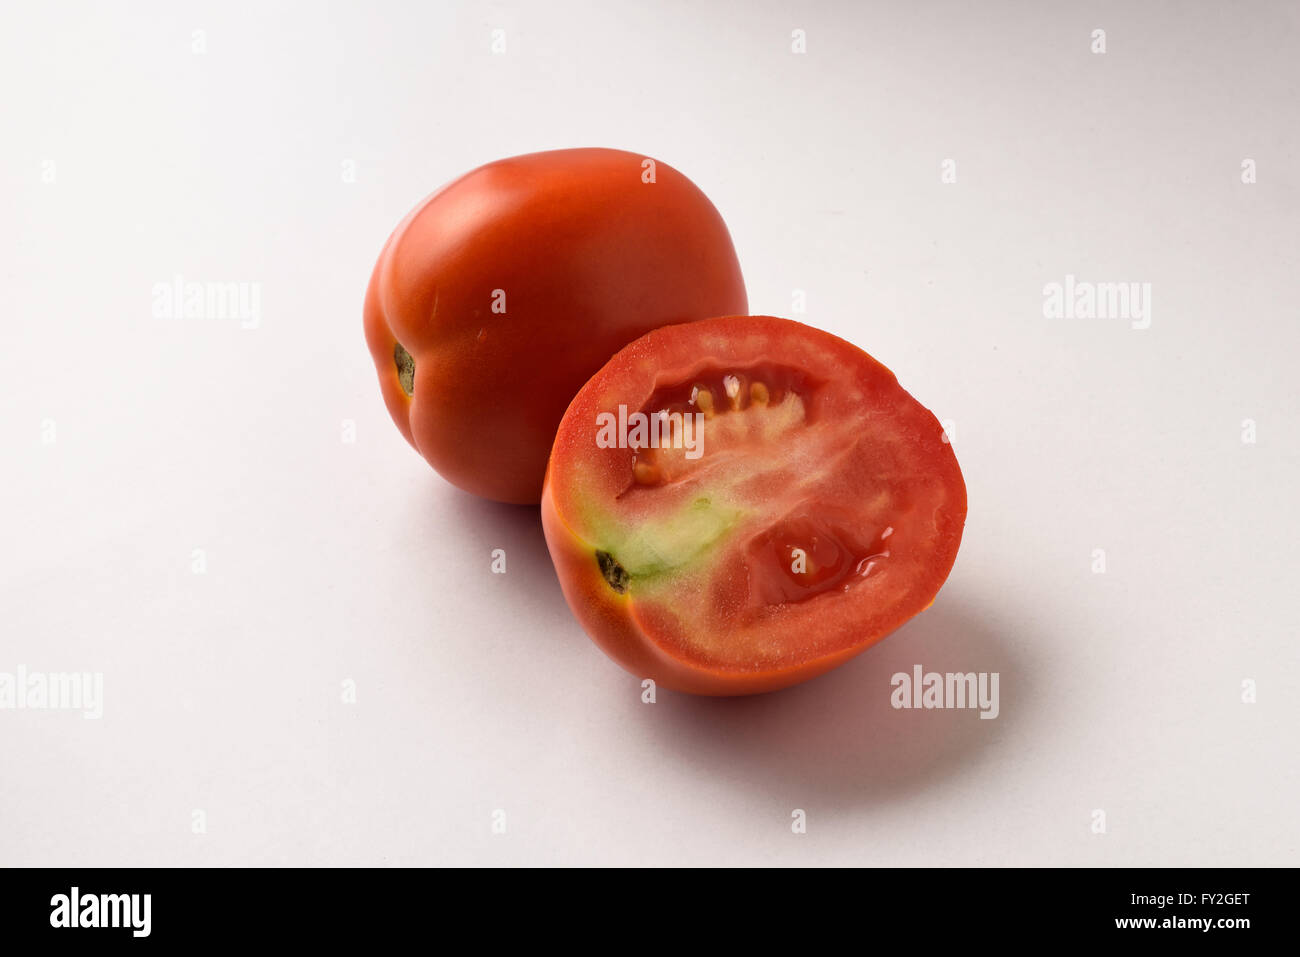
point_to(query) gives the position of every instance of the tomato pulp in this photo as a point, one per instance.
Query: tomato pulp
(498, 296)
(739, 504)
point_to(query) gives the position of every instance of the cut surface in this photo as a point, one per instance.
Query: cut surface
(777, 496)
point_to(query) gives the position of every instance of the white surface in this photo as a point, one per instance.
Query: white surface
(329, 561)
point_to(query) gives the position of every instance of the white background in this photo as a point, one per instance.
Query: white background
(329, 561)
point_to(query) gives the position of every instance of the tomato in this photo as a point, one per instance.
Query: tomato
(795, 506)
(498, 296)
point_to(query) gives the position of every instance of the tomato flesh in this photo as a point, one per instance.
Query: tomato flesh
(817, 509)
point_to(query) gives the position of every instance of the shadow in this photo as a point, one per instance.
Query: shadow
(837, 740)
(487, 520)
(534, 588)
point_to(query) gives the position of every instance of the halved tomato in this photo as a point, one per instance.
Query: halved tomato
(739, 504)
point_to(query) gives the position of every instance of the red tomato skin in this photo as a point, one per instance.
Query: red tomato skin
(586, 257)
(610, 618)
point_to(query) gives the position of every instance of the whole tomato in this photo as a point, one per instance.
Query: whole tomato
(498, 296)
